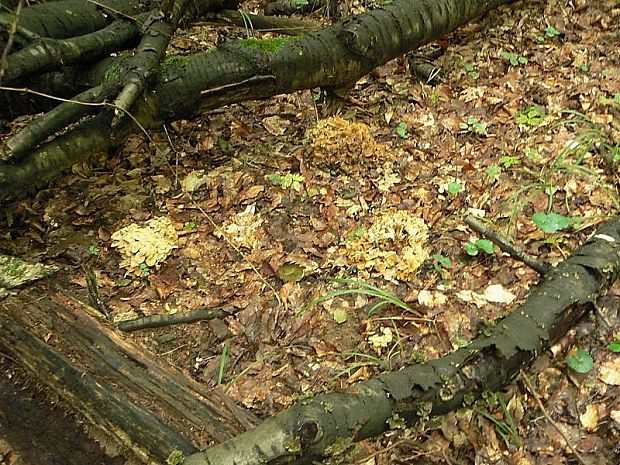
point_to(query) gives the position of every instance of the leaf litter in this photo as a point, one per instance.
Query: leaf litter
(373, 193)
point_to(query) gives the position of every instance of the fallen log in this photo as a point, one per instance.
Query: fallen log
(131, 401)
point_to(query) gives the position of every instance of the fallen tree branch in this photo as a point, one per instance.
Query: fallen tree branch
(332, 58)
(305, 431)
(158, 321)
(478, 225)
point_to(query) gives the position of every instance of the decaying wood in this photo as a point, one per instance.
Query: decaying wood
(305, 431)
(134, 401)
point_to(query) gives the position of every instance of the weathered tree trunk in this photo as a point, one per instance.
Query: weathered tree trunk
(304, 432)
(332, 58)
(131, 401)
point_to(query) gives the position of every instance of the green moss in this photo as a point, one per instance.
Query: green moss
(112, 73)
(268, 45)
(173, 61)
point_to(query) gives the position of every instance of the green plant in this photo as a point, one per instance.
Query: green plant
(189, 226)
(401, 130)
(288, 181)
(363, 288)
(509, 161)
(551, 32)
(506, 427)
(531, 153)
(144, 270)
(471, 71)
(514, 59)
(611, 101)
(493, 172)
(614, 345)
(247, 23)
(454, 188)
(552, 222)
(590, 139)
(531, 116)
(472, 248)
(94, 250)
(580, 361)
(366, 360)
(473, 125)
(441, 263)
(435, 97)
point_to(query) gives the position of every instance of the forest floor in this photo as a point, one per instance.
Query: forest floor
(263, 208)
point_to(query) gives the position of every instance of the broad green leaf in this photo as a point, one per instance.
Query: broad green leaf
(471, 249)
(551, 222)
(581, 362)
(443, 260)
(454, 188)
(485, 245)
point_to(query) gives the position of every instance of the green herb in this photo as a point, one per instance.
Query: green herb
(551, 222)
(581, 362)
(401, 130)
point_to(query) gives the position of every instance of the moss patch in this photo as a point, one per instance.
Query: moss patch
(268, 45)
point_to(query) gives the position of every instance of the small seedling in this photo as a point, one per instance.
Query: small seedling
(509, 161)
(144, 270)
(472, 248)
(581, 361)
(611, 101)
(473, 125)
(189, 226)
(94, 250)
(551, 32)
(506, 428)
(471, 71)
(531, 116)
(493, 172)
(454, 188)
(436, 97)
(401, 130)
(441, 263)
(288, 181)
(514, 59)
(614, 346)
(531, 153)
(357, 232)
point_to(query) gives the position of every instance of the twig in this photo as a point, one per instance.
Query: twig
(157, 321)
(505, 244)
(530, 388)
(10, 40)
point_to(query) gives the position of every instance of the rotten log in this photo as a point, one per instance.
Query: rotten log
(332, 58)
(131, 401)
(305, 431)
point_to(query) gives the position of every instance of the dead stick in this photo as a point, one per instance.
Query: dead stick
(505, 244)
